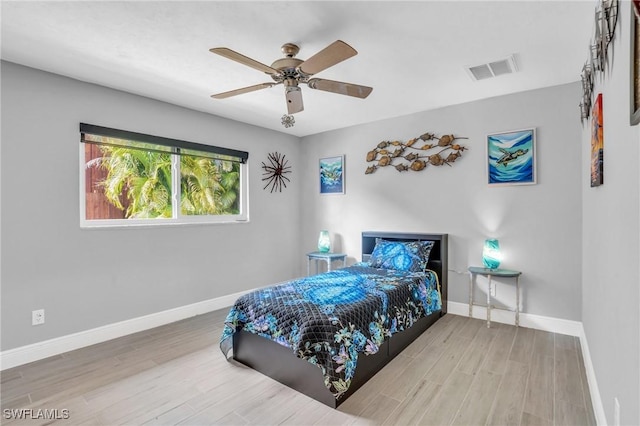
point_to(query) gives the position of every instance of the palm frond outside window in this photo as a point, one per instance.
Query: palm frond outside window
(127, 180)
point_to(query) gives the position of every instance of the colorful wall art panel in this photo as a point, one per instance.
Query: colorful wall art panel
(332, 175)
(597, 143)
(511, 158)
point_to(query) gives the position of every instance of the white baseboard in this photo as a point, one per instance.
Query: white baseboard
(538, 322)
(34, 352)
(596, 400)
(554, 325)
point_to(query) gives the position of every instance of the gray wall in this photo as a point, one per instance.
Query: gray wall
(611, 242)
(88, 278)
(539, 226)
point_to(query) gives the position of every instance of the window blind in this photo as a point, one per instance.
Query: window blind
(107, 136)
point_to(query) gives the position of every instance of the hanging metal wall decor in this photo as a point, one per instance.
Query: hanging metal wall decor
(409, 156)
(587, 91)
(274, 172)
(606, 21)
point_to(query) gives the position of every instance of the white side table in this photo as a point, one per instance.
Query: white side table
(489, 273)
(327, 257)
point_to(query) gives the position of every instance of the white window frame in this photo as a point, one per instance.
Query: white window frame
(178, 218)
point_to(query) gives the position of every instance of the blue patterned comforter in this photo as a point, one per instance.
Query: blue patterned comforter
(330, 319)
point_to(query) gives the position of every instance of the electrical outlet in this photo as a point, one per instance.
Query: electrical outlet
(616, 412)
(37, 317)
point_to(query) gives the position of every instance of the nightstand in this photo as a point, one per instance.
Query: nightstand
(489, 273)
(327, 257)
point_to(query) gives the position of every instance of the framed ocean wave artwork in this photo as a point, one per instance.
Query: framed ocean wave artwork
(511, 158)
(332, 175)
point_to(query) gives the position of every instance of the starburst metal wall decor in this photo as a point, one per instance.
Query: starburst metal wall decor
(274, 172)
(386, 152)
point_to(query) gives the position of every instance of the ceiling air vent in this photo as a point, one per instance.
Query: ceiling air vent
(493, 69)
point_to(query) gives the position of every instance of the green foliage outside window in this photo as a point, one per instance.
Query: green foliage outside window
(208, 186)
(139, 182)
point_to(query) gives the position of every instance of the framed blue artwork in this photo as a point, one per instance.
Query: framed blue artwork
(511, 157)
(332, 175)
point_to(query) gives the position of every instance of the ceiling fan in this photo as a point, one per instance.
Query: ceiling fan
(291, 71)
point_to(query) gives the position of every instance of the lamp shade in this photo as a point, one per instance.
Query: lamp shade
(324, 242)
(491, 254)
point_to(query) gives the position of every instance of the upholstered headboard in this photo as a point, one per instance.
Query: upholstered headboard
(438, 260)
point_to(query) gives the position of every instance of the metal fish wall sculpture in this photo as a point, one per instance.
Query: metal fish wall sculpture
(405, 156)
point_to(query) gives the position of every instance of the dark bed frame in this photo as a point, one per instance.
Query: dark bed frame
(281, 364)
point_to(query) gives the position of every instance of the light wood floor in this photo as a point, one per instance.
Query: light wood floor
(458, 372)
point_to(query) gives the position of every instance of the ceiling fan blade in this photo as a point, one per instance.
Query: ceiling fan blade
(245, 60)
(243, 90)
(339, 87)
(336, 52)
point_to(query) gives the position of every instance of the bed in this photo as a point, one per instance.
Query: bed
(327, 334)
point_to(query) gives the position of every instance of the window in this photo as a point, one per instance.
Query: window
(135, 179)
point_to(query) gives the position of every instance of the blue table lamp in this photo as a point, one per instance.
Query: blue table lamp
(491, 254)
(324, 242)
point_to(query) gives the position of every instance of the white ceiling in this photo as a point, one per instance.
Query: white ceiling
(412, 53)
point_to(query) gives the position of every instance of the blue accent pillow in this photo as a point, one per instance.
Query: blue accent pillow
(401, 256)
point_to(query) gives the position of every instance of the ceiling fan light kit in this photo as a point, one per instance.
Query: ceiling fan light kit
(291, 71)
(293, 95)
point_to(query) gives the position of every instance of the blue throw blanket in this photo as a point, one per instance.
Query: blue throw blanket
(332, 318)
